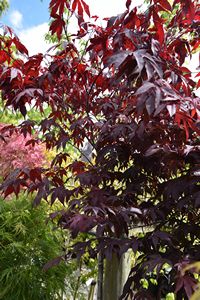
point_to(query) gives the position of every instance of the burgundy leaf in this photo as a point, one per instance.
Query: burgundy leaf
(128, 3)
(74, 4)
(52, 263)
(20, 47)
(86, 7)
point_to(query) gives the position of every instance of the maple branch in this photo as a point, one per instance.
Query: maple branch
(81, 152)
(88, 109)
(100, 276)
(94, 81)
(86, 44)
(148, 225)
(78, 281)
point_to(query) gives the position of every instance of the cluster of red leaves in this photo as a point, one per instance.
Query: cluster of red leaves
(130, 96)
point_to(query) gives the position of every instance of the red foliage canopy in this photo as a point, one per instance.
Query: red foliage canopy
(130, 96)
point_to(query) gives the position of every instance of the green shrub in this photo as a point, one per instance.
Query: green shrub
(27, 243)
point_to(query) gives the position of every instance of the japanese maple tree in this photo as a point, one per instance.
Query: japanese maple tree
(18, 152)
(129, 95)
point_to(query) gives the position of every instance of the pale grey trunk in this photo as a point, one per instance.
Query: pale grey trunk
(115, 276)
(100, 277)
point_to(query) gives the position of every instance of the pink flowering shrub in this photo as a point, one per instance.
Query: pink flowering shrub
(14, 153)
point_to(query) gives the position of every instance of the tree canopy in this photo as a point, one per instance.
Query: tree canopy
(130, 96)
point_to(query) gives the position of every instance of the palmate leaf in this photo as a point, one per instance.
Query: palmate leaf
(194, 267)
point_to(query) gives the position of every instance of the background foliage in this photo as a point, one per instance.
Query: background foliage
(27, 244)
(4, 4)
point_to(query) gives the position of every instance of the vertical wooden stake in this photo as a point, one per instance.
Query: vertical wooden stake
(100, 277)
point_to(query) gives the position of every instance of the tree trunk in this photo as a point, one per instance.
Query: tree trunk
(116, 274)
(100, 277)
